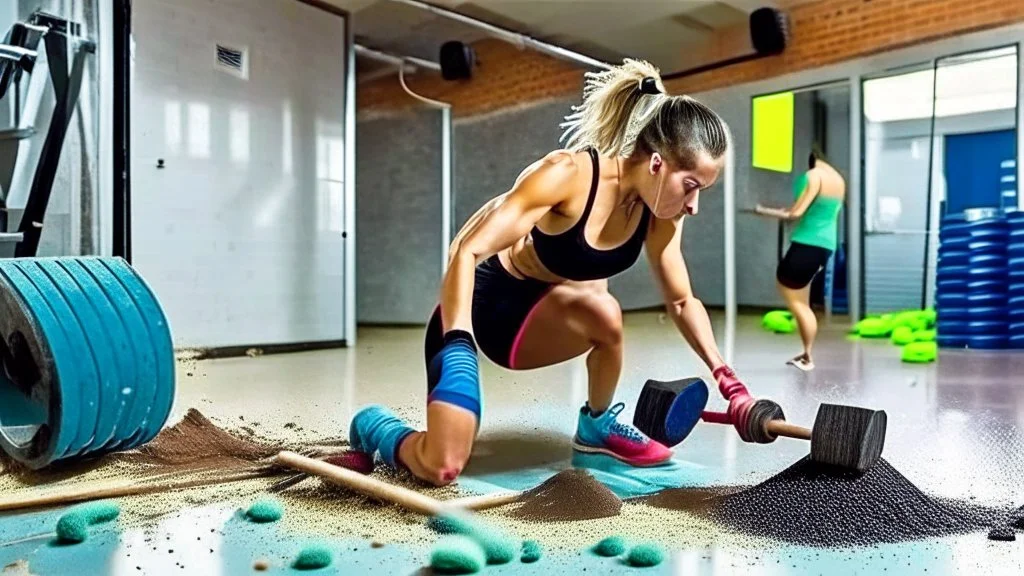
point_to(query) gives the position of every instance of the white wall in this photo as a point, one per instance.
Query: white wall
(241, 233)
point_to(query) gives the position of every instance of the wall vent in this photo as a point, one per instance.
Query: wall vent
(234, 61)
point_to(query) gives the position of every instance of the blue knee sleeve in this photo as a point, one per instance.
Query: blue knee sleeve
(454, 375)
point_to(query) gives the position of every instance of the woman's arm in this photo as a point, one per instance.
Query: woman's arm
(664, 250)
(498, 225)
(797, 210)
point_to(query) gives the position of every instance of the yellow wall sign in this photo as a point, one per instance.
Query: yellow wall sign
(773, 132)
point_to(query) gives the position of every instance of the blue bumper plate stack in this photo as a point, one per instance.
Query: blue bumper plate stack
(1015, 252)
(88, 358)
(972, 288)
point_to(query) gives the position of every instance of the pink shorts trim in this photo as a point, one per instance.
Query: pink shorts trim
(514, 352)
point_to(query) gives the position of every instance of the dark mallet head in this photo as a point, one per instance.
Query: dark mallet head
(848, 437)
(668, 411)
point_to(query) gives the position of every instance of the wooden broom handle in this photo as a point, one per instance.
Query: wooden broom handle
(365, 485)
(100, 491)
(783, 428)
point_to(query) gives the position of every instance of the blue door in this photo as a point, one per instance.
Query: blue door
(981, 170)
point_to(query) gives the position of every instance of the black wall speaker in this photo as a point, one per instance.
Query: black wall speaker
(457, 61)
(769, 31)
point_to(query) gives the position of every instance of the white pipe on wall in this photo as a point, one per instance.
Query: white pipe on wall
(395, 60)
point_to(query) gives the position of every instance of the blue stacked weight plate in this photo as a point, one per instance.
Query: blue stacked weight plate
(971, 282)
(88, 356)
(1015, 264)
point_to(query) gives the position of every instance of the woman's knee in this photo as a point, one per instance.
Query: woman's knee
(605, 319)
(442, 467)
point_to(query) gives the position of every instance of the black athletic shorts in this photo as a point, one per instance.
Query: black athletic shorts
(800, 264)
(501, 306)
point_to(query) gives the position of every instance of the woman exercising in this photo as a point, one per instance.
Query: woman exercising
(819, 194)
(527, 276)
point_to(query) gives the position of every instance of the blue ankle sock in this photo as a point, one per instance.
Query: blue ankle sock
(377, 429)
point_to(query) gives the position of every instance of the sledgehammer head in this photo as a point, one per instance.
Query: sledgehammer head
(668, 411)
(848, 437)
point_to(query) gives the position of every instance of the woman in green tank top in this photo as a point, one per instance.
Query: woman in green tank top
(818, 198)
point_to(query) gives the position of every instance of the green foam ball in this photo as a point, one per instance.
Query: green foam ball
(72, 528)
(265, 511)
(100, 512)
(610, 546)
(499, 547)
(925, 336)
(902, 335)
(645, 556)
(779, 322)
(920, 352)
(874, 328)
(531, 552)
(911, 319)
(457, 554)
(313, 557)
(929, 316)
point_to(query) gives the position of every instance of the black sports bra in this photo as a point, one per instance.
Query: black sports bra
(568, 255)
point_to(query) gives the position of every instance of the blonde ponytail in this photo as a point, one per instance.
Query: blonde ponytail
(617, 105)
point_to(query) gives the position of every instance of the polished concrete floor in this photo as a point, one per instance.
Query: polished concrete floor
(956, 427)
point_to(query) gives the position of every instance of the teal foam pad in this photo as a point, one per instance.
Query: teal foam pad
(266, 510)
(313, 557)
(498, 547)
(610, 547)
(645, 556)
(457, 554)
(532, 552)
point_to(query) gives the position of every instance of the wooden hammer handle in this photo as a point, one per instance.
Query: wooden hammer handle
(484, 501)
(783, 428)
(365, 485)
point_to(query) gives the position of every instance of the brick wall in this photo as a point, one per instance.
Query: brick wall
(505, 77)
(823, 32)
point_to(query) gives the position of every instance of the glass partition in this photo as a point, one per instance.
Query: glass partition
(939, 139)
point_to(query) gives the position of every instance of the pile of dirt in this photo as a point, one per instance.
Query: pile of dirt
(570, 495)
(818, 505)
(197, 443)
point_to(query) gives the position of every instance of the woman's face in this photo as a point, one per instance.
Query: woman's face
(670, 191)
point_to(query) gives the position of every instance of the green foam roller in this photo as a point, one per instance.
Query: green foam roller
(920, 352)
(779, 322)
(902, 335)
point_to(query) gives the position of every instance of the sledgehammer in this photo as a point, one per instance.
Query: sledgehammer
(844, 436)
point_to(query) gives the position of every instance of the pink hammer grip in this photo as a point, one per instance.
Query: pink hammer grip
(716, 417)
(728, 384)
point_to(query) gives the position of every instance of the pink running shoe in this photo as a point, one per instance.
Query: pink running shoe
(603, 434)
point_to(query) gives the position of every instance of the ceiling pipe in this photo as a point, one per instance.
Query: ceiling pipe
(520, 40)
(401, 61)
